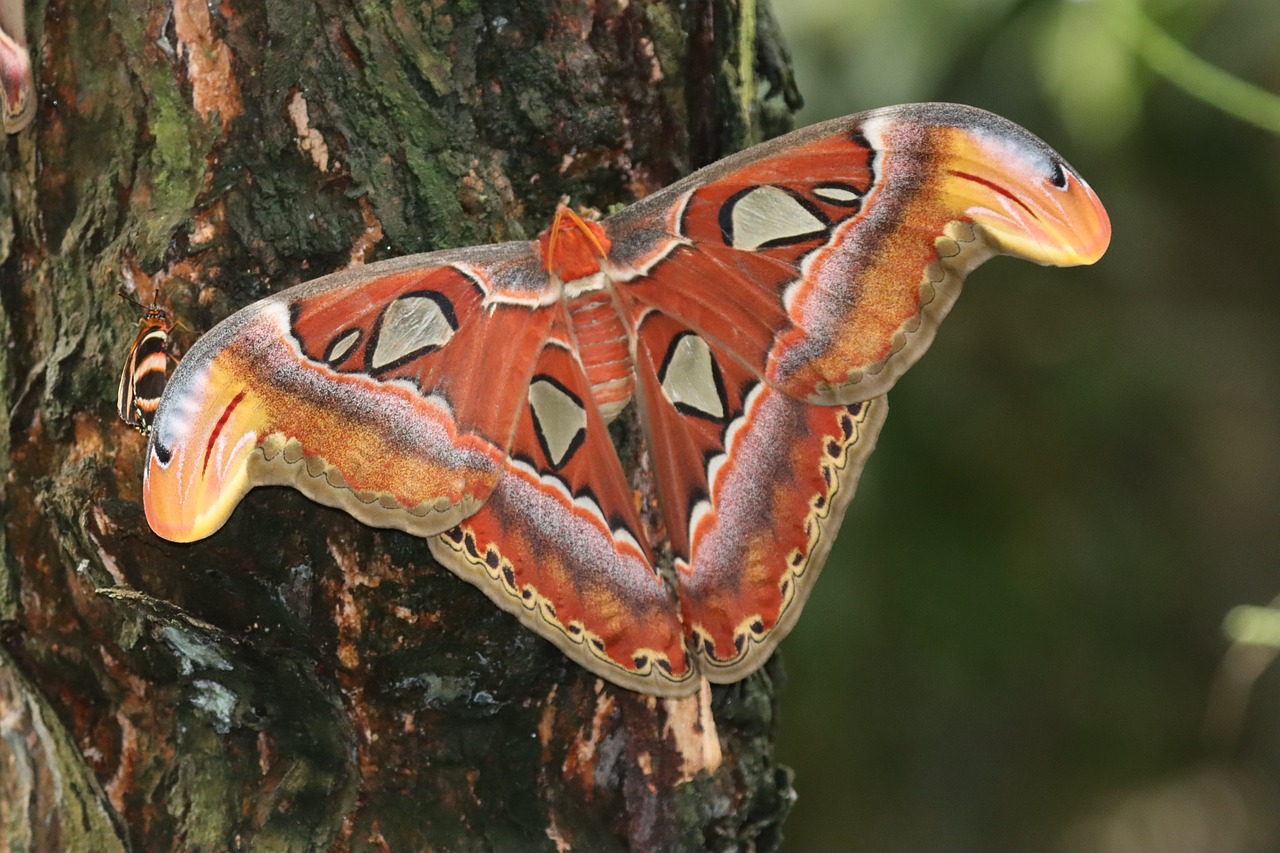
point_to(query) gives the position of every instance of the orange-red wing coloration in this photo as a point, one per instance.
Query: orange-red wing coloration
(758, 311)
(826, 259)
(379, 391)
(753, 486)
(601, 600)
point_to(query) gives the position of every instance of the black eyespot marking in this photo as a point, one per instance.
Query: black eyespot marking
(163, 454)
(1059, 176)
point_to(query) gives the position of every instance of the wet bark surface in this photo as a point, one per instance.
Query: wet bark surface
(299, 681)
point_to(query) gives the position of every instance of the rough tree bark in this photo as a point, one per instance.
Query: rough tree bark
(298, 681)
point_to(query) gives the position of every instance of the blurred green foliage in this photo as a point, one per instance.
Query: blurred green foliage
(1019, 641)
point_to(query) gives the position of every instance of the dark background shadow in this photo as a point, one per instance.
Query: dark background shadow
(1018, 642)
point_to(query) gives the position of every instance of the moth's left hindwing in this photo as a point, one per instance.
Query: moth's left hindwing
(758, 310)
(559, 542)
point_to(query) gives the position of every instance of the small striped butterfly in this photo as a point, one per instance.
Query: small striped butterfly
(146, 370)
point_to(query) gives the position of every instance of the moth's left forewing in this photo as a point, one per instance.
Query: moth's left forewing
(390, 392)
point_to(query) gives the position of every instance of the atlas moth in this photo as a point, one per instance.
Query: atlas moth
(756, 312)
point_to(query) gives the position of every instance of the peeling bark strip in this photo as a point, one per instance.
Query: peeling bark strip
(215, 92)
(299, 681)
(310, 140)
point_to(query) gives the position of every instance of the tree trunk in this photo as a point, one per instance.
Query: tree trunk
(299, 681)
